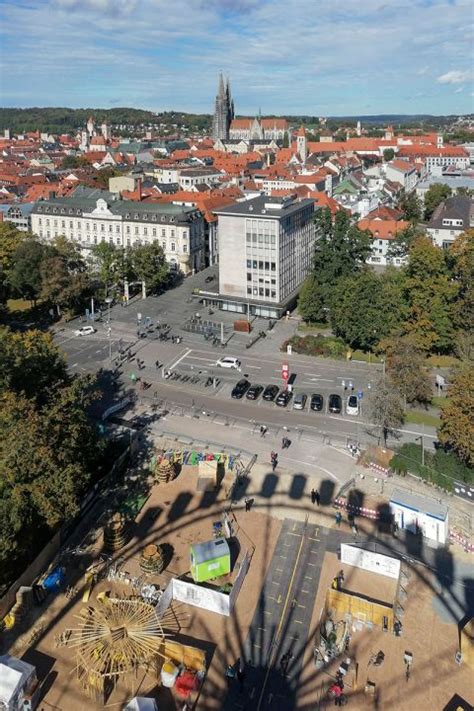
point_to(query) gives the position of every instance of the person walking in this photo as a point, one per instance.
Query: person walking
(274, 462)
(313, 496)
(263, 430)
(338, 518)
(317, 497)
(248, 504)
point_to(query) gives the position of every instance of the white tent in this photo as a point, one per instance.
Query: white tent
(14, 678)
(141, 703)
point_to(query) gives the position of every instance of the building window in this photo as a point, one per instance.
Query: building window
(249, 276)
(145, 232)
(173, 247)
(273, 266)
(185, 248)
(128, 229)
(249, 290)
(163, 244)
(117, 229)
(154, 232)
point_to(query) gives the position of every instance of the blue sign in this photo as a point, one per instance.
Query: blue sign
(359, 394)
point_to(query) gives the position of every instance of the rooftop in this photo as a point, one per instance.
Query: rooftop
(274, 207)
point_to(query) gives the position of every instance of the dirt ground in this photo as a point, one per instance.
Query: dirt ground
(435, 677)
(175, 515)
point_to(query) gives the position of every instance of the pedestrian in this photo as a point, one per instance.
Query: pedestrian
(284, 662)
(274, 463)
(230, 674)
(263, 430)
(247, 504)
(157, 364)
(338, 518)
(273, 456)
(317, 497)
(313, 496)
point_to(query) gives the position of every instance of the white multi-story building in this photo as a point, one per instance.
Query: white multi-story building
(402, 172)
(90, 217)
(266, 248)
(450, 219)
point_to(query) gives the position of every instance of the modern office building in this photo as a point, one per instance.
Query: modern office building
(91, 216)
(266, 248)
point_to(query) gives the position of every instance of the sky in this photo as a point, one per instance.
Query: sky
(314, 57)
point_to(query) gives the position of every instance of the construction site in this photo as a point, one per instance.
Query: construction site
(163, 599)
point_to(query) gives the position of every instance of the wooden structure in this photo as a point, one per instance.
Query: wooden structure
(115, 533)
(152, 560)
(113, 640)
(360, 608)
(164, 471)
(207, 475)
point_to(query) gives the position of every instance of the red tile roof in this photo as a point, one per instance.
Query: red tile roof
(383, 229)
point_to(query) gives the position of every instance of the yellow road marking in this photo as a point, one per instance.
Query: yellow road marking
(280, 624)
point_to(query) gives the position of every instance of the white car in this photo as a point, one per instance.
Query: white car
(228, 362)
(352, 407)
(84, 331)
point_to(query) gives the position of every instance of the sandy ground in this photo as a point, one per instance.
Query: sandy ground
(175, 514)
(435, 676)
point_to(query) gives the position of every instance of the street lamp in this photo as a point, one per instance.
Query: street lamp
(108, 301)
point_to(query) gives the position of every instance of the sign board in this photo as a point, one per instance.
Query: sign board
(284, 371)
(372, 562)
(289, 349)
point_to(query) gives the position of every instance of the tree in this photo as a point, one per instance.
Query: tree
(434, 196)
(388, 155)
(25, 272)
(30, 364)
(399, 247)
(430, 295)
(410, 205)
(286, 141)
(406, 368)
(367, 307)
(65, 282)
(74, 162)
(10, 239)
(341, 250)
(47, 458)
(461, 257)
(148, 264)
(386, 408)
(457, 421)
(108, 261)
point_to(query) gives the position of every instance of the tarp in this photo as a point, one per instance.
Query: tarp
(55, 579)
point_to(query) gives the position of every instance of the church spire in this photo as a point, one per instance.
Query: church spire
(224, 110)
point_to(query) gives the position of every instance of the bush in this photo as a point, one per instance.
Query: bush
(441, 468)
(319, 345)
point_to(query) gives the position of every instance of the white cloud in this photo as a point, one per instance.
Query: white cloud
(456, 76)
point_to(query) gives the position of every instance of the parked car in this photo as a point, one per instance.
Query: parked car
(299, 403)
(335, 403)
(317, 402)
(254, 391)
(228, 362)
(283, 398)
(270, 392)
(352, 407)
(240, 389)
(84, 331)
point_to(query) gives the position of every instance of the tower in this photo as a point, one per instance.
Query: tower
(302, 144)
(90, 126)
(223, 112)
(105, 130)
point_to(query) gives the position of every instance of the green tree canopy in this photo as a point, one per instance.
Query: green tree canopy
(388, 154)
(10, 240)
(411, 207)
(367, 307)
(148, 264)
(386, 408)
(341, 250)
(434, 196)
(25, 272)
(406, 368)
(457, 420)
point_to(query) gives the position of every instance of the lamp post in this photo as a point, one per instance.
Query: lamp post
(108, 301)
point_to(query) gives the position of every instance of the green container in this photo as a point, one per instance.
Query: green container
(209, 560)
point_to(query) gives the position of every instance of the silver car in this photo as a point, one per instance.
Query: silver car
(299, 403)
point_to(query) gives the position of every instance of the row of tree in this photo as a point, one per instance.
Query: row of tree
(49, 451)
(430, 300)
(58, 274)
(416, 210)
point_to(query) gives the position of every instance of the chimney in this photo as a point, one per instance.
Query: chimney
(139, 189)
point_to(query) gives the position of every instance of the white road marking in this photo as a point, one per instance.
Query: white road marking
(187, 352)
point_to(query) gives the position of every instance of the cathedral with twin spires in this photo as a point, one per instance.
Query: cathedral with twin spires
(223, 112)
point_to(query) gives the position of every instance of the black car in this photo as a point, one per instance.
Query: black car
(283, 398)
(335, 404)
(270, 392)
(240, 389)
(317, 402)
(254, 391)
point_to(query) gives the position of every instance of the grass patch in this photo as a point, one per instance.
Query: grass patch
(442, 361)
(366, 357)
(422, 418)
(440, 468)
(314, 327)
(439, 400)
